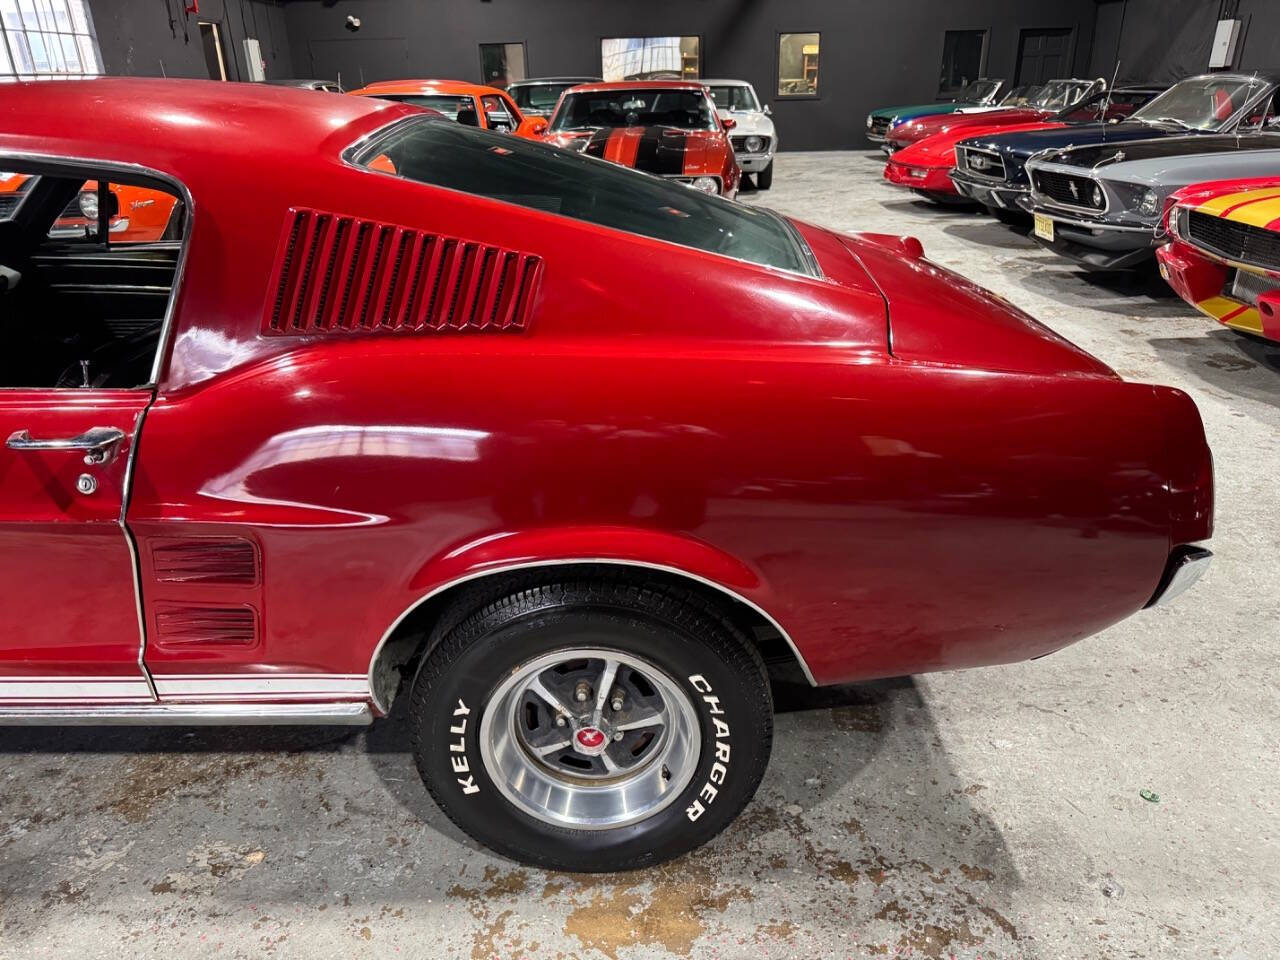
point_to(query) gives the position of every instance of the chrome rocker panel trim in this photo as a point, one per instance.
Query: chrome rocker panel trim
(191, 714)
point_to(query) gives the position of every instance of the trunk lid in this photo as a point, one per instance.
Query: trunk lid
(938, 316)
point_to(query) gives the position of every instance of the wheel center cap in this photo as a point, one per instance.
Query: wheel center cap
(590, 740)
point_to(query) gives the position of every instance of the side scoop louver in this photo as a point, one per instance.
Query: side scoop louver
(339, 274)
(229, 560)
(179, 625)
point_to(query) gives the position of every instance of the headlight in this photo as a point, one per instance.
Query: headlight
(870, 121)
(1149, 205)
(89, 205)
(753, 144)
(706, 185)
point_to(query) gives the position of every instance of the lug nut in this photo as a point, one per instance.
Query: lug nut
(616, 702)
(560, 720)
(618, 735)
(582, 692)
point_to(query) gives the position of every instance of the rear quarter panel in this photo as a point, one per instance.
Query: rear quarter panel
(893, 517)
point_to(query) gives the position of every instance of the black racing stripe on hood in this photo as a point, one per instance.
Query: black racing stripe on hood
(597, 142)
(661, 151)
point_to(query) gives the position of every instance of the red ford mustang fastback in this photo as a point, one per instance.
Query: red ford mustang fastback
(663, 127)
(560, 454)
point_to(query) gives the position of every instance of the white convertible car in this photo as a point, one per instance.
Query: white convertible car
(753, 137)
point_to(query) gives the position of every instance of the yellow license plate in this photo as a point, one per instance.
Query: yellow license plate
(1044, 228)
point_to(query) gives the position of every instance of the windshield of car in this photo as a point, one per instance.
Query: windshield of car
(450, 106)
(539, 97)
(1201, 103)
(978, 91)
(686, 109)
(1122, 104)
(569, 184)
(734, 97)
(1057, 94)
(1021, 96)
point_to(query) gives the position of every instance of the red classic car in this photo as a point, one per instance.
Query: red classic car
(926, 164)
(470, 104)
(565, 456)
(664, 127)
(1053, 97)
(1223, 257)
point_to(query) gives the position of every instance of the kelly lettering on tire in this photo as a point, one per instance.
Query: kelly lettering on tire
(458, 749)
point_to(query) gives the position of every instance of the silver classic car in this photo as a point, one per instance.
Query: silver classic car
(753, 137)
(1100, 205)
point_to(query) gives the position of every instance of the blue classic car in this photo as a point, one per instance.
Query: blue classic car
(992, 169)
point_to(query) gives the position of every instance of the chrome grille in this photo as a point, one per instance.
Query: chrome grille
(880, 126)
(1240, 242)
(1248, 287)
(981, 163)
(1068, 190)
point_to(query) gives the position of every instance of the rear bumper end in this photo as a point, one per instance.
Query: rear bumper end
(1186, 565)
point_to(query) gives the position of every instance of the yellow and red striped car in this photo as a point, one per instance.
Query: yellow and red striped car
(1223, 257)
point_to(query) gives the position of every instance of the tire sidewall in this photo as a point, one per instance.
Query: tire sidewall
(456, 699)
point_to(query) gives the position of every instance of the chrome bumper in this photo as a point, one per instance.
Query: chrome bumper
(1186, 565)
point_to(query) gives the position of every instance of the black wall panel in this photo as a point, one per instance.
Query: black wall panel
(151, 38)
(1166, 40)
(873, 53)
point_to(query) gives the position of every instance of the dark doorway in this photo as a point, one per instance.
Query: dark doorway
(1044, 55)
(211, 39)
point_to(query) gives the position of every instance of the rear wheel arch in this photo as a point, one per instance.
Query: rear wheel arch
(421, 627)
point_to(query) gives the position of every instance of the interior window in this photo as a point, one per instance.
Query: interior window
(963, 52)
(87, 267)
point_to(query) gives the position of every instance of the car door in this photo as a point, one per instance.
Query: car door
(68, 434)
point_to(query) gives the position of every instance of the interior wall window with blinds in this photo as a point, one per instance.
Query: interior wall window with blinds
(47, 39)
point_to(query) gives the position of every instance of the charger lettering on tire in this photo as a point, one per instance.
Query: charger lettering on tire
(720, 768)
(461, 762)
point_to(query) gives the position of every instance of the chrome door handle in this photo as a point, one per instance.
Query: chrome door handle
(100, 444)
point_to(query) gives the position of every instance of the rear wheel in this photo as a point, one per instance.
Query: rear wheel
(764, 178)
(592, 726)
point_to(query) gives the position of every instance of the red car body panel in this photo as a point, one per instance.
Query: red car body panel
(896, 493)
(1202, 276)
(698, 153)
(905, 134)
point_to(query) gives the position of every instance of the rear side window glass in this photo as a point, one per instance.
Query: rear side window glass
(584, 188)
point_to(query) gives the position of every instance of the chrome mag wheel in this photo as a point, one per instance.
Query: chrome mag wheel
(590, 739)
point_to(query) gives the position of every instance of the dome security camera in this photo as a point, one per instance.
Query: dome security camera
(353, 23)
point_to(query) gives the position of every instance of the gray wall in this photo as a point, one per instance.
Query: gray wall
(1169, 39)
(137, 39)
(873, 53)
